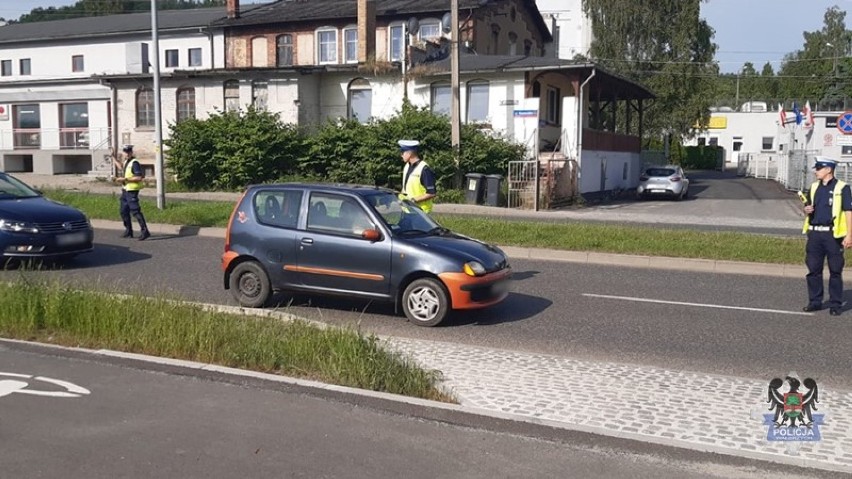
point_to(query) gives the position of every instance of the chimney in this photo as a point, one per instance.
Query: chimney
(366, 30)
(233, 8)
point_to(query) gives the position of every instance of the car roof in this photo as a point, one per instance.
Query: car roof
(361, 190)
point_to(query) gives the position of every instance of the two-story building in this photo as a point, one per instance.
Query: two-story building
(57, 116)
(311, 61)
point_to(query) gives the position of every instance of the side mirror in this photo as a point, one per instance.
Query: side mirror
(371, 235)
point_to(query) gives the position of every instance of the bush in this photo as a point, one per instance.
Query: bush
(233, 149)
(701, 157)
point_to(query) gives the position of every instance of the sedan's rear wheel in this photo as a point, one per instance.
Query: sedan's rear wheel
(250, 285)
(425, 302)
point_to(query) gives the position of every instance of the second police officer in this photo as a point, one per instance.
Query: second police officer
(828, 209)
(131, 181)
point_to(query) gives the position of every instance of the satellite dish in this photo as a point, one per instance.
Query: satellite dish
(413, 25)
(446, 22)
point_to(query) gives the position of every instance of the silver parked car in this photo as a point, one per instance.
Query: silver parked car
(663, 181)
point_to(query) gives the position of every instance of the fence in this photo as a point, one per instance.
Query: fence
(793, 170)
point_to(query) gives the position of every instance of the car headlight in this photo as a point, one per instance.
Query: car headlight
(17, 226)
(474, 268)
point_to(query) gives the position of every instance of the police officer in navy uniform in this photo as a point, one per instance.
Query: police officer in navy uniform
(828, 206)
(418, 180)
(131, 181)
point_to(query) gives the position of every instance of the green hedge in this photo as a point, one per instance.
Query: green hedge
(230, 150)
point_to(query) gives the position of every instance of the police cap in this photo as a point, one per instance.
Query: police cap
(824, 161)
(408, 145)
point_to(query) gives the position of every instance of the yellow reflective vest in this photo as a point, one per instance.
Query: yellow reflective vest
(839, 227)
(128, 173)
(413, 187)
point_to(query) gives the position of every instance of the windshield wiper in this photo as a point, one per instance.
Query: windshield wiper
(439, 230)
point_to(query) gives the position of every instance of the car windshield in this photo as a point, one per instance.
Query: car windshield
(13, 188)
(659, 172)
(402, 217)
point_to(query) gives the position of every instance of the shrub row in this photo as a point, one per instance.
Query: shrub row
(230, 150)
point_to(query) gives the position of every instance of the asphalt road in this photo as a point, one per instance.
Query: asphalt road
(120, 418)
(747, 326)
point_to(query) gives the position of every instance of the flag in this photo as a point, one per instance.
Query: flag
(798, 113)
(809, 115)
(783, 115)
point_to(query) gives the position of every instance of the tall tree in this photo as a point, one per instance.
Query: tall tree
(818, 71)
(665, 45)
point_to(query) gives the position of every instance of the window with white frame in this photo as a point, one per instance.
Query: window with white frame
(25, 66)
(185, 103)
(327, 45)
(6, 68)
(144, 108)
(350, 45)
(194, 57)
(360, 100)
(554, 98)
(232, 95)
(442, 99)
(767, 143)
(846, 150)
(395, 42)
(477, 101)
(429, 30)
(172, 59)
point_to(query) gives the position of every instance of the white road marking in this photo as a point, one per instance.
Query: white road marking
(9, 386)
(699, 305)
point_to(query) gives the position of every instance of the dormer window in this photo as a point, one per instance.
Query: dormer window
(327, 45)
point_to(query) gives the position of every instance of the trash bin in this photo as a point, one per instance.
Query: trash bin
(492, 189)
(475, 188)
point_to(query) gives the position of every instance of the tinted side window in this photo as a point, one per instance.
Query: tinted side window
(278, 207)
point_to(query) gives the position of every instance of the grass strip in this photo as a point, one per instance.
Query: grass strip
(53, 313)
(602, 238)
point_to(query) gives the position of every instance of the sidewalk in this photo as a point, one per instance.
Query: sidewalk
(663, 406)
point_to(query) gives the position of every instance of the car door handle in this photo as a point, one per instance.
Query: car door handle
(307, 241)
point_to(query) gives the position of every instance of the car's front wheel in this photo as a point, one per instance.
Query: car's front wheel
(425, 302)
(250, 285)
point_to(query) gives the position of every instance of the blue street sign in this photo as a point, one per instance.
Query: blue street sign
(844, 123)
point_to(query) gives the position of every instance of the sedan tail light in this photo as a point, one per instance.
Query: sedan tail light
(675, 178)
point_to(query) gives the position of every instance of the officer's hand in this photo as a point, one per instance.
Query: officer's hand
(847, 242)
(402, 196)
(809, 209)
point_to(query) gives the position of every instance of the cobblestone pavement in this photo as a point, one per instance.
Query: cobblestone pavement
(679, 408)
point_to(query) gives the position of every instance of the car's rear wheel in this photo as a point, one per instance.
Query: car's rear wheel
(250, 285)
(425, 302)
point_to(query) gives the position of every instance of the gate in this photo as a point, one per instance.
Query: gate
(523, 184)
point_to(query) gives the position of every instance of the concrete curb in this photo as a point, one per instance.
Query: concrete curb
(542, 254)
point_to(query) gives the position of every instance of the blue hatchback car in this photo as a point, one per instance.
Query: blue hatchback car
(357, 241)
(34, 227)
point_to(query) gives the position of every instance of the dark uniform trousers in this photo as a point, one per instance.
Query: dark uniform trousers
(822, 245)
(129, 205)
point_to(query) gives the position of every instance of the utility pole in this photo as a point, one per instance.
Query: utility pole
(158, 116)
(455, 114)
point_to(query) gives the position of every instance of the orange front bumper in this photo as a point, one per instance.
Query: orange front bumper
(472, 292)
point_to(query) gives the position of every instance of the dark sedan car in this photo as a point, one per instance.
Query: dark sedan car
(356, 241)
(35, 227)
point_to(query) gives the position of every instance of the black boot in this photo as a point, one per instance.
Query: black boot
(144, 235)
(127, 234)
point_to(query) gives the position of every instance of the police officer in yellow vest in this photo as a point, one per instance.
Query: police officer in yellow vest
(418, 180)
(129, 202)
(828, 206)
